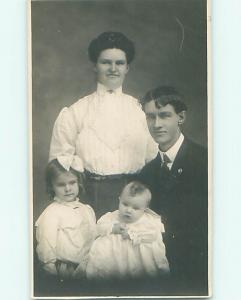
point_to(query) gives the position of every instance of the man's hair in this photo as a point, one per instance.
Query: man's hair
(163, 95)
(110, 40)
(53, 170)
(135, 188)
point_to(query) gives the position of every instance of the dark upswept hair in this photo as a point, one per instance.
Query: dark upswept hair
(53, 170)
(135, 188)
(163, 95)
(110, 40)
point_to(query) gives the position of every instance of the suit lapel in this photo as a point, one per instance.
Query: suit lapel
(157, 162)
(180, 160)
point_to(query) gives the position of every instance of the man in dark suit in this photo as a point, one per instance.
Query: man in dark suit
(178, 180)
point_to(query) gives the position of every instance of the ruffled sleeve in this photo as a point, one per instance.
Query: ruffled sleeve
(144, 236)
(148, 231)
(91, 212)
(151, 145)
(92, 220)
(105, 224)
(63, 141)
(46, 235)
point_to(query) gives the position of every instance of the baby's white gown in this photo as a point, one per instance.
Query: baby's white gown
(144, 254)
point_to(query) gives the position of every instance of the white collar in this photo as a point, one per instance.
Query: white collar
(172, 152)
(70, 204)
(102, 90)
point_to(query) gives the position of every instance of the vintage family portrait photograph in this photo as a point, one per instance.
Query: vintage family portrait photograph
(120, 148)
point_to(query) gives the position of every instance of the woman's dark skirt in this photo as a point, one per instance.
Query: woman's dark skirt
(102, 192)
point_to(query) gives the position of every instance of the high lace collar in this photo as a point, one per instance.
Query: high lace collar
(103, 90)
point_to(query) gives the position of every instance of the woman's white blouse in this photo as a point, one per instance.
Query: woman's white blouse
(65, 232)
(103, 133)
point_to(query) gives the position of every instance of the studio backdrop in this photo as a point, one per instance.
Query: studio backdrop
(170, 38)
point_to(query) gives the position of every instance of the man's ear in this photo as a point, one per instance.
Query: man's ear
(94, 68)
(182, 117)
(127, 68)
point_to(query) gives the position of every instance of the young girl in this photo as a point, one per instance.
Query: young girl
(129, 243)
(66, 228)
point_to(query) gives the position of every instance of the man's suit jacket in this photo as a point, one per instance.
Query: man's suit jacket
(181, 198)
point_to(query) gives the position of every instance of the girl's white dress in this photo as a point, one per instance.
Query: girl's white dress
(144, 254)
(65, 232)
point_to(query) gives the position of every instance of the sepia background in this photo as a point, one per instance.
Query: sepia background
(226, 59)
(170, 41)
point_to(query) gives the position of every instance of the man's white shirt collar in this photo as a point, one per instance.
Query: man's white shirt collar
(103, 90)
(172, 152)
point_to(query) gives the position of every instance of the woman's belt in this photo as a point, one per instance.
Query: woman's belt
(98, 177)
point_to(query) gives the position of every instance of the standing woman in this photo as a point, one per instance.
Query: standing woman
(104, 134)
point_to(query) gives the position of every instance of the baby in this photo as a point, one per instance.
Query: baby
(66, 228)
(129, 242)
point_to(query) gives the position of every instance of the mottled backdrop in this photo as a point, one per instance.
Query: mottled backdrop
(170, 40)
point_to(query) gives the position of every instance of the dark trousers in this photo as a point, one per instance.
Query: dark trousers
(102, 192)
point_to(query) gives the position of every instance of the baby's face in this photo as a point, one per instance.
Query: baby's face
(132, 208)
(66, 187)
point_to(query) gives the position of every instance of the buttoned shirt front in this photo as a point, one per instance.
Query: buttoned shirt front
(105, 133)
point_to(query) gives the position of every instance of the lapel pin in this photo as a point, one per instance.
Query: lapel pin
(179, 171)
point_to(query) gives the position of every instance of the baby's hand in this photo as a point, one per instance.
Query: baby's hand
(118, 228)
(125, 234)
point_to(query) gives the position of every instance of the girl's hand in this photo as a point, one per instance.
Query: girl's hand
(118, 228)
(50, 268)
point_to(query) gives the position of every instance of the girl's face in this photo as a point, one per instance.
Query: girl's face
(66, 187)
(132, 208)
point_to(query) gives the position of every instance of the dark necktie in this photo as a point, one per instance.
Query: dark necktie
(164, 167)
